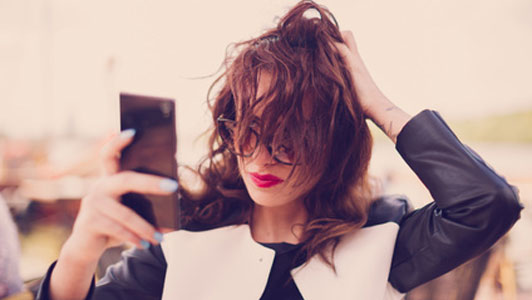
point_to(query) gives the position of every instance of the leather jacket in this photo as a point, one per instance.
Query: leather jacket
(472, 208)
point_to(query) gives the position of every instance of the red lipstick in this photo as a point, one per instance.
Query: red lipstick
(265, 180)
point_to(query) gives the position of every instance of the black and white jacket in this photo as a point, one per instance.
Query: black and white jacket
(395, 251)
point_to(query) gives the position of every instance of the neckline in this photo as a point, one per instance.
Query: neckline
(282, 248)
(276, 247)
(280, 244)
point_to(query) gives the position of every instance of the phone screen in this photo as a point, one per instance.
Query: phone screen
(152, 151)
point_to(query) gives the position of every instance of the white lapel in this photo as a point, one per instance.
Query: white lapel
(223, 263)
(362, 261)
(226, 263)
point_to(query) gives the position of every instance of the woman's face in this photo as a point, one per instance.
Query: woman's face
(265, 178)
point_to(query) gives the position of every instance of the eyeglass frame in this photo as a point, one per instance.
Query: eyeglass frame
(220, 122)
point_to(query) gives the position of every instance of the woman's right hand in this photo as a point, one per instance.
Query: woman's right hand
(103, 221)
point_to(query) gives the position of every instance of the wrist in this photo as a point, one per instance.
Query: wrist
(75, 253)
(379, 104)
(73, 273)
(368, 93)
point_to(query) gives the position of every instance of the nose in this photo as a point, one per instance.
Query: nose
(262, 156)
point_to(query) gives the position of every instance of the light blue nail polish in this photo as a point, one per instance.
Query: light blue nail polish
(158, 236)
(145, 244)
(168, 185)
(126, 134)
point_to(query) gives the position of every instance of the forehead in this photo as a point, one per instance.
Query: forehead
(264, 83)
(264, 86)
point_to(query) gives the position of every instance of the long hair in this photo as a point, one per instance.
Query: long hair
(311, 105)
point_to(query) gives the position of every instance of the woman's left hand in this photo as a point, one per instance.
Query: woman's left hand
(369, 95)
(375, 104)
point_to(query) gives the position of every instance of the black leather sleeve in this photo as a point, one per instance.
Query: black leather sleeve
(473, 206)
(138, 275)
(388, 208)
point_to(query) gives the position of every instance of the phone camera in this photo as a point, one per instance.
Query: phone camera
(166, 109)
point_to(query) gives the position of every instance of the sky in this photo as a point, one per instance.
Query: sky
(63, 63)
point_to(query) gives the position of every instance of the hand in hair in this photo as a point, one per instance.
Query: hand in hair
(375, 104)
(367, 91)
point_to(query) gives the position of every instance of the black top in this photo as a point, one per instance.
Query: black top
(472, 208)
(280, 284)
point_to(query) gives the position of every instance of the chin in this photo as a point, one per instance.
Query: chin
(264, 196)
(267, 201)
(257, 194)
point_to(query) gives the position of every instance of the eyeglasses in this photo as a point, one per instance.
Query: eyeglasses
(226, 130)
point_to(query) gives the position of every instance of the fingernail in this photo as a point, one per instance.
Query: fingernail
(126, 134)
(145, 244)
(168, 185)
(158, 236)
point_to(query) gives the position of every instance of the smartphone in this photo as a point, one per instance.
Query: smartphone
(152, 151)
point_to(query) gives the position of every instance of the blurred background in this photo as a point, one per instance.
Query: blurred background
(63, 64)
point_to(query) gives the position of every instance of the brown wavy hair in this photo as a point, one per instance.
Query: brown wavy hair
(310, 105)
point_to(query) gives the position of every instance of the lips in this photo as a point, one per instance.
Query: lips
(264, 180)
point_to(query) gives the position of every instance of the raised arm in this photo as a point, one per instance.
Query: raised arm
(473, 206)
(104, 222)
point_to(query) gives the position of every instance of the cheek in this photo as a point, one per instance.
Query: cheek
(241, 168)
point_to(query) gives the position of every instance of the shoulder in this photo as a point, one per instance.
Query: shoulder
(388, 208)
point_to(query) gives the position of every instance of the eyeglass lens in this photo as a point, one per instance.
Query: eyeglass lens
(250, 143)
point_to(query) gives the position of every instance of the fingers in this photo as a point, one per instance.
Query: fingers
(102, 203)
(349, 52)
(349, 40)
(348, 48)
(129, 181)
(103, 216)
(110, 153)
(103, 221)
(131, 225)
(119, 233)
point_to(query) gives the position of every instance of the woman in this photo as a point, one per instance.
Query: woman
(287, 211)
